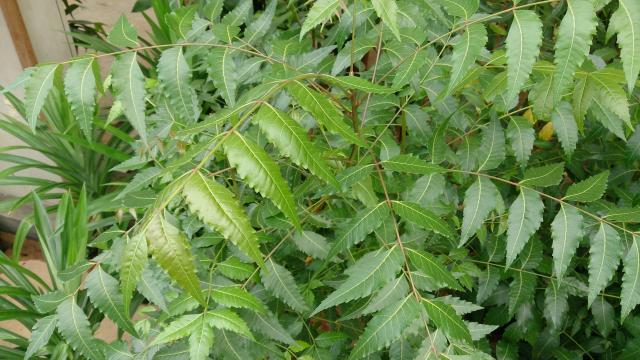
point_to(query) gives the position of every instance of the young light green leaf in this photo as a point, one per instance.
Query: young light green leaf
(175, 78)
(604, 256)
(422, 217)
(525, 217)
(40, 334)
(565, 126)
(588, 190)
(625, 21)
(128, 83)
(572, 47)
(80, 88)
(369, 273)
(170, 249)
(465, 52)
(521, 136)
(387, 10)
(430, 266)
(479, 199)
(357, 228)
(104, 294)
(523, 45)
(446, 319)
(631, 279)
(547, 175)
(222, 70)
(36, 90)
(235, 269)
(411, 165)
(201, 340)
(256, 167)
(123, 34)
(320, 12)
(215, 205)
(386, 326)
(279, 281)
(290, 138)
(236, 297)
(566, 231)
(322, 110)
(134, 258)
(492, 151)
(178, 329)
(75, 328)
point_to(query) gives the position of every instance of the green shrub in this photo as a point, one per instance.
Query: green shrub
(383, 179)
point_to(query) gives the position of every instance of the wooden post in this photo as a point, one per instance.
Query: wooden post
(18, 31)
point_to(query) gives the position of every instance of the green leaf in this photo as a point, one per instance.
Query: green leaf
(75, 328)
(521, 289)
(123, 34)
(235, 269)
(386, 326)
(311, 243)
(608, 119)
(201, 340)
(430, 266)
(357, 83)
(411, 165)
(523, 45)
(128, 83)
(422, 217)
(258, 28)
(446, 319)
(583, 94)
(215, 205)
(322, 110)
(565, 126)
(357, 228)
(625, 215)
(625, 21)
(610, 95)
(521, 136)
(465, 52)
(233, 296)
(290, 138)
(104, 294)
(525, 217)
(320, 12)
(588, 190)
(178, 329)
(255, 166)
(566, 231)
(49, 301)
(279, 281)
(225, 319)
(174, 75)
(460, 8)
(409, 68)
(387, 10)
(492, 151)
(604, 256)
(222, 70)
(555, 304)
(80, 88)
(170, 249)
(543, 176)
(572, 46)
(603, 315)
(479, 199)
(462, 307)
(40, 334)
(36, 89)
(388, 295)
(369, 273)
(134, 258)
(630, 295)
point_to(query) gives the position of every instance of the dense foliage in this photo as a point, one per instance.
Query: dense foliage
(402, 179)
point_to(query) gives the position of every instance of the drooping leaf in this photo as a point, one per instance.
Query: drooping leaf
(291, 140)
(36, 89)
(465, 52)
(565, 126)
(555, 303)
(479, 199)
(279, 281)
(80, 88)
(255, 166)
(547, 175)
(215, 205)
(525, 217)
(625, 22)
(521, 289)
(40, 334)
(521, 136)
(422, 217)
(431, 267)
(386, 326)
(492, 151)
(446, 319)
(320, 12)
(387, 10)
(134, 258)
(75, 328)
(566, 231)
(604, 256)
(603, 315)
(123, 34)
(610, 96)
(128, 83)
(174, 75)
(357, 228)
(572, 47)
(370, 272)
(104, 294)
(170, 249)
(588, 190)
(523, 45)
(630, 295)
(201, 340)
